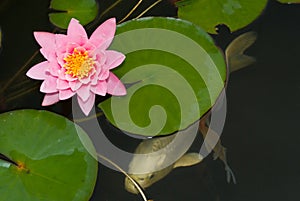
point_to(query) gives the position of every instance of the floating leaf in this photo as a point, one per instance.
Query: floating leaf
(289, 1)
(174, 74)
(52, 162)
(208, 14)
(83, 10)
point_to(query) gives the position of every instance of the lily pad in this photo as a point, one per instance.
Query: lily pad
(64, 10)
(51, 162)
(173, 72)
(208, 14)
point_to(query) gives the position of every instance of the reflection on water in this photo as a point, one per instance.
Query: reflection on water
(261, 130)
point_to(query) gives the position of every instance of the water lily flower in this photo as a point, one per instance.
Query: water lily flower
(78, 65)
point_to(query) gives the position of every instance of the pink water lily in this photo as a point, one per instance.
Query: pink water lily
(78, 65)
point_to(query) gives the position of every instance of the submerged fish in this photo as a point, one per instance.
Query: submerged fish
(160, 161)
(236, 59)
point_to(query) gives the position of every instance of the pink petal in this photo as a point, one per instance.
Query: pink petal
(65, 94)
(104, 74)
(50, 99)
(62, 74)
(61, 43)
(60, 58)
(54, 69)
(85, 80)
(115, 86)
(49, 85)
(113, 58)
(89, 46)
(47, 42)
(84, 92)
(62, 84)
(49, 54)
(104, 34)
(100, 57)
(99, 64)
(100, 88)
(81, 49)
(76, 32)
(45, 39)
(94, 79)
(38, 72)
(70, 78)
(75, 85)
(101, 71)
(71, 46)
(86, 106)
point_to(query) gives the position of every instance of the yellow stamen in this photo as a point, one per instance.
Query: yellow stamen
(78, 64)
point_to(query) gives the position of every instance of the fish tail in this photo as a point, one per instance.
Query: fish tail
(220, 152)
(235, 57)
(229, 174)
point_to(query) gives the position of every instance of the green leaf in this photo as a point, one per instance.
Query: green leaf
(53, 163)
(83, 10)
(289, 1)
(208, 14)
(174, 74)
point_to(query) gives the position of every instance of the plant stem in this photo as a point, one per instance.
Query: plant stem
(20, 93)
(151, 6)
(8, 83)
(102, 14)
(5, 158)
(130, 12)
(88, 118)
(132, 180)
(20, 84)
(18, 72)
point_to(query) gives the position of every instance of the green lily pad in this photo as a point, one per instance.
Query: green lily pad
(52, 162)
(173, 72)
(208, 14)
(289, 1)
(83, 10)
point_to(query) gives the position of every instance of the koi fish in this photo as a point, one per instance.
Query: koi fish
(157, 162)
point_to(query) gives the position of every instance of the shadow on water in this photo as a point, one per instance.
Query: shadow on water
(261, 130)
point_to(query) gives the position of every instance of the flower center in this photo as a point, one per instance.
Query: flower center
(21, 167)
(78, 64)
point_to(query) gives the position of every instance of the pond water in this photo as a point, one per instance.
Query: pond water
(262, 126)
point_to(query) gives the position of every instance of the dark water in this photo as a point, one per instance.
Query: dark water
(262, 126)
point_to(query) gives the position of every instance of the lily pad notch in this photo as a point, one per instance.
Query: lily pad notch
(64, 10)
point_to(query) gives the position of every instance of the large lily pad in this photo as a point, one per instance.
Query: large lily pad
(174, 74)
(208, 14)
(83, 10)
(52, 163)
